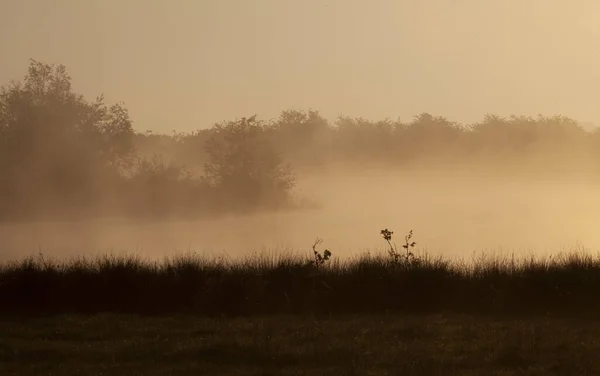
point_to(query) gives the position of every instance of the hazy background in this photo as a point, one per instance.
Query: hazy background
(452, 217)
(185, 64)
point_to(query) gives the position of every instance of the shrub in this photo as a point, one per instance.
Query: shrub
(245, 168)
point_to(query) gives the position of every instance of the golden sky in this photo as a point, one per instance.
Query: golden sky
(184, 64)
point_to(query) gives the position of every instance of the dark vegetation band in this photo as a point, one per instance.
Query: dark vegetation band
(289, 284)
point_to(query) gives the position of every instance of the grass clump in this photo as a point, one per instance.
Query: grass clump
(289, 284)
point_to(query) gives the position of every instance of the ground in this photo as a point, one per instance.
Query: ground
(293, 345)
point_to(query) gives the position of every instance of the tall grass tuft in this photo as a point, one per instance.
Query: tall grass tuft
(270, 283)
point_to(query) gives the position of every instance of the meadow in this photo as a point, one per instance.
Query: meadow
(266, 284)
(360, 344)
(384, 314)
(79, 179)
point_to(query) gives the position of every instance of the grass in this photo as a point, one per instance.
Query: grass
(292, 315)
(287, 284)
(381, 344)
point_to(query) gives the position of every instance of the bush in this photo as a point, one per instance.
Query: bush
(245, 168)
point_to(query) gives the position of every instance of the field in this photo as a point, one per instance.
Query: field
(299, 345)
(292, 315)
(173, 235)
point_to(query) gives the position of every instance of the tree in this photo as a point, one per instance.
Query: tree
(157, 188)
(306, 136)
(244, 167)
(56, 148)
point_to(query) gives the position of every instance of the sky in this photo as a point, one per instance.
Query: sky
(186, 64)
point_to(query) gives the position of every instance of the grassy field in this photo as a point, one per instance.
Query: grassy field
(299, 345)
(267, 315)
(565, 285)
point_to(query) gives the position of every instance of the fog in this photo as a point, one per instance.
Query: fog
(454, 214)
(435, 67)
(501, 185)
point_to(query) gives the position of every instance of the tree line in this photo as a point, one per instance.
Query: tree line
(308, 140)
(62, 155)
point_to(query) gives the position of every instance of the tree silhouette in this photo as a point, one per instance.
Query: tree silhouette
(244, 166)
(56, 148)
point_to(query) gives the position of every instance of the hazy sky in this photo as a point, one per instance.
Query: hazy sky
(184, 64)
